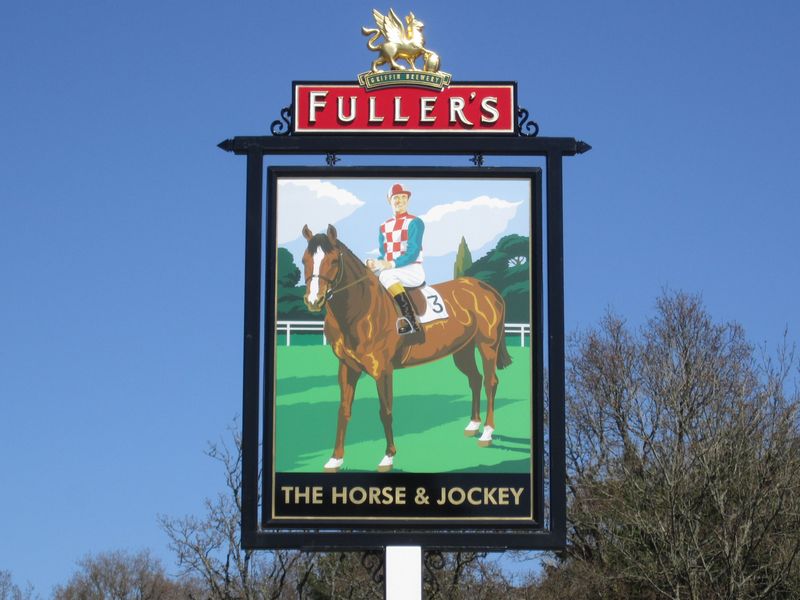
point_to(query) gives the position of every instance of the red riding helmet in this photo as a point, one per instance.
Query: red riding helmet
(398, 189)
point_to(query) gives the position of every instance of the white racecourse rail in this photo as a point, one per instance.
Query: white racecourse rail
(288, 327)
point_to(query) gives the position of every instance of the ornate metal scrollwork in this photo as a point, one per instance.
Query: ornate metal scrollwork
(432, 560)
(373, 561)
(524, 126)
(282, 126)
(331, 159)
(477, 159)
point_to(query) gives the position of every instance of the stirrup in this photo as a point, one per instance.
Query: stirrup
(404, 326)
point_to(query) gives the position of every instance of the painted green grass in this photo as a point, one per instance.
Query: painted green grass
(431, 408)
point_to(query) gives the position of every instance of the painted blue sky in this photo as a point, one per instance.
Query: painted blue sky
(122, 223)
(480, 210)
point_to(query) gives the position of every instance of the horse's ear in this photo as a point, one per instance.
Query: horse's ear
(332, 234)
(307, 232)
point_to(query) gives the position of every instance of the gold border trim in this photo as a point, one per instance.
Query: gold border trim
(444, 520)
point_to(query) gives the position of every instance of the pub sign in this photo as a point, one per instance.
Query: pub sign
(394, 322)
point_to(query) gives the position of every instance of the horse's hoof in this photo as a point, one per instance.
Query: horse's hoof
(486, 437)
(386, 464)
(472, 428)
(333, 465)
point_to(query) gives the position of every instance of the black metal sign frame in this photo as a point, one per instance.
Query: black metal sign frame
(553, 534)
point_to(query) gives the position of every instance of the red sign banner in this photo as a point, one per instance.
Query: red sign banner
(480, 108)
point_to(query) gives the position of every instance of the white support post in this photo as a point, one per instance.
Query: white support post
(522, 336)
(403, 573)
(288, 334)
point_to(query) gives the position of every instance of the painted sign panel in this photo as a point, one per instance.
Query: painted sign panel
(403, 371)
(480, 108)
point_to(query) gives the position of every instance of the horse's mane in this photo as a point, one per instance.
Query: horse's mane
(349, 252)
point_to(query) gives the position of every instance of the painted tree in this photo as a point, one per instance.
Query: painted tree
(506, 269)
(288, 272)
(289, 293)
(463, 259)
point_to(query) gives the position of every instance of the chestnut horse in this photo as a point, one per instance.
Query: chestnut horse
(360, 326)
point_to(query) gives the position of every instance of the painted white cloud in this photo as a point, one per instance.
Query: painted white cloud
(311, 202)
(479, 220)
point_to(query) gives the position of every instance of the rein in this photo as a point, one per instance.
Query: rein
(352, 283)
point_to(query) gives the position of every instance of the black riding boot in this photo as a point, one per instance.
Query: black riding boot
(407, 323)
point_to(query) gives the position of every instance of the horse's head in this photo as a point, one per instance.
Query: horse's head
(322, 263)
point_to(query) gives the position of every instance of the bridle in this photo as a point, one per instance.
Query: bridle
(333, 284)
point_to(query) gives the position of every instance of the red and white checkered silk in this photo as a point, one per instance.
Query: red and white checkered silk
(395, 236)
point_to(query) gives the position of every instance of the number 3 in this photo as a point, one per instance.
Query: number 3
(437, 308)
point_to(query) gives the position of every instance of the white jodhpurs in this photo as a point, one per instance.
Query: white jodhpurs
(409, 276)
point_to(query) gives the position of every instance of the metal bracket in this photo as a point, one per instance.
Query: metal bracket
(282, 126)
(332, 159)
(525, 126)
(477, 159)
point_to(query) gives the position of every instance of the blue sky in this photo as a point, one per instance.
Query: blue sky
(122, 224)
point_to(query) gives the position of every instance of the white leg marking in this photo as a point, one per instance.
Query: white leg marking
(472, 428)
(486, 436)
(333, 464)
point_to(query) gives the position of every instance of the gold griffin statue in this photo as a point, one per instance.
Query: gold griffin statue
(400, 43)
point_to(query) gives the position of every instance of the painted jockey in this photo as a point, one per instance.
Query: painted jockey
(400, 261)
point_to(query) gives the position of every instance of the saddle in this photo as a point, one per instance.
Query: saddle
(418, 300)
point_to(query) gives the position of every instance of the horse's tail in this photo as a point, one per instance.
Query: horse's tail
(503, 357)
